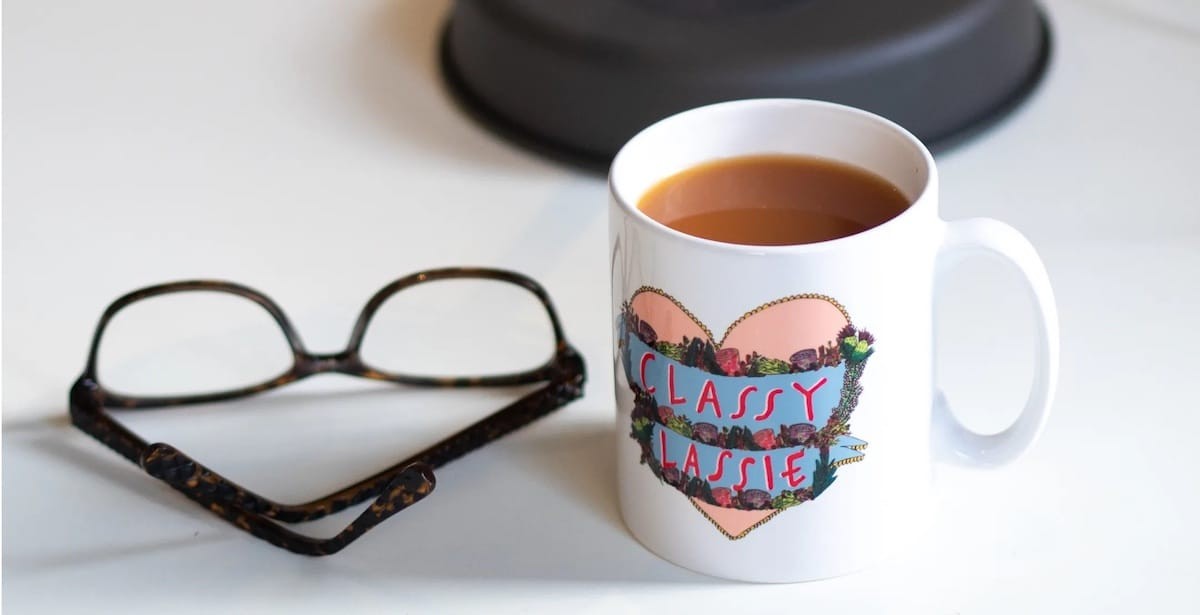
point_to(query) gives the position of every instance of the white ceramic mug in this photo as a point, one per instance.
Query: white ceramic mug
(775, 403)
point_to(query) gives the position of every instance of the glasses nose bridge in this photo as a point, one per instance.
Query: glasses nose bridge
(322, 363)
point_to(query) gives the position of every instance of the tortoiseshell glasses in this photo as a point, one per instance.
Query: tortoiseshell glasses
(394, 488)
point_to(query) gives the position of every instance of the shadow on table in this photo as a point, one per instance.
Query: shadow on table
(546, 510)
(54, 438)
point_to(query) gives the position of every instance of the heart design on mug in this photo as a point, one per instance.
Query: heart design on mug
(752, 424)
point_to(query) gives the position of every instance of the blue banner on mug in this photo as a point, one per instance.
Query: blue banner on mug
(729, 401)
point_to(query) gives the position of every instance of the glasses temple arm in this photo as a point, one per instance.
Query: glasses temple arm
(233, 503)
(488, 429)
(87, 413)
(505, 421)
(566, 377)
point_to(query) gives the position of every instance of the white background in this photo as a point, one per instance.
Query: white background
(308, 149)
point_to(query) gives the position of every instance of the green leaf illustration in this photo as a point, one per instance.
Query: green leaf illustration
(825, 473)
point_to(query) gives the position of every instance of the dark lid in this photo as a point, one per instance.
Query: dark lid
(581, 77)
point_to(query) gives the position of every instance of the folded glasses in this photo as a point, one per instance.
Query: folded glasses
(394, 488)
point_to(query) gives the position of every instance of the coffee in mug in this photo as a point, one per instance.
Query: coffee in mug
(773, 200)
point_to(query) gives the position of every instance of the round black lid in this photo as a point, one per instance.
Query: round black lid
(578, 78)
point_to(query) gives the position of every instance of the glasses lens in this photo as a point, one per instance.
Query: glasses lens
(462, 327)
(190, 343)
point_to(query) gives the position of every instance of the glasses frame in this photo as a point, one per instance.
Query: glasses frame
(394, 488)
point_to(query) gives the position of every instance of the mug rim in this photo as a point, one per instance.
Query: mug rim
(918, 204)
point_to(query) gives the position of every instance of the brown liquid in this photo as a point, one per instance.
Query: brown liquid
(773, 200)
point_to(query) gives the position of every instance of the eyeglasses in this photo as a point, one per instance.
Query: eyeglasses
(394, 488)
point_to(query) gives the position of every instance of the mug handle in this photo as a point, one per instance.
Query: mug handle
(965, 238)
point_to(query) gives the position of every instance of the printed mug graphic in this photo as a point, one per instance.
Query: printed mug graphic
(755, 423)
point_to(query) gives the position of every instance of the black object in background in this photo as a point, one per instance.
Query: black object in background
(577, 79)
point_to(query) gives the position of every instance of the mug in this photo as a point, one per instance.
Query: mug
(775, 404)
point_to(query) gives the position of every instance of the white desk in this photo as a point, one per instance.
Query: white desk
(307, 149)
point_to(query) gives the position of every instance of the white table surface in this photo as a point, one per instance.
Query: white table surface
(307, 149)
